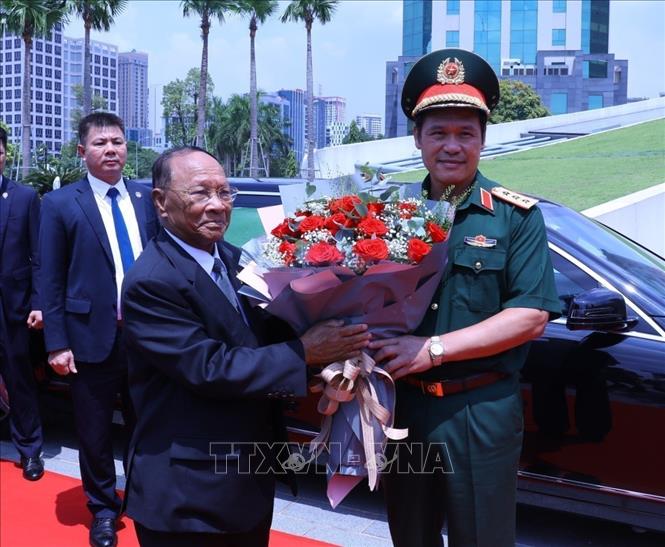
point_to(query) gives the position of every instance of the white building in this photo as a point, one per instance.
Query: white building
(104, 80)
(133, 96)
(371, 123)
(47, 88)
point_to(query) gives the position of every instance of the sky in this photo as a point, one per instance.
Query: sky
(349, 52)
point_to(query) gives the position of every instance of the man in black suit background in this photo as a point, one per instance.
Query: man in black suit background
(20, 310)
(202, 382)
(91, 233)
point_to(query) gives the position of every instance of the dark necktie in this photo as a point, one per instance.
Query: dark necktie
(121, 233)
(223, 282)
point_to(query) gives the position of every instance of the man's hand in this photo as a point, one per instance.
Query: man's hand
(331, 341)
(35, 320)
(403, 356)
(62, 362)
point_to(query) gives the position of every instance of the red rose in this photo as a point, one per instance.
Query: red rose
(322, 253)
(334, 222)
(371, 249)
(372, 226)
(300, 213)
(283, 229)
(406, 210)
(417, 249)
(313, 222)
(435, 231)
(345, 204)
(288, 251)
(376, 207)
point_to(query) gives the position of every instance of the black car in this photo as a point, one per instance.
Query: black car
(594, 383)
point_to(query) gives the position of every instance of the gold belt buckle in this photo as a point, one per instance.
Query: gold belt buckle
(432, 388)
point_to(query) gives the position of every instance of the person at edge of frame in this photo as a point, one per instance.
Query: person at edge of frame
(91, 232)
(458, 389)
(20, 310)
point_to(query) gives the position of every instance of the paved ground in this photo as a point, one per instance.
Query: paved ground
(360, 520)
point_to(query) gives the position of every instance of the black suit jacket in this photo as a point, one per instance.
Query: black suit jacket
(19, 257)
(78, 285)
(202, 389)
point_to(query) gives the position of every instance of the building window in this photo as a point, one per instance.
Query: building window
(559, 6)
(17, 80)
(452, 7)
(452, 38)
(487, 33)
(559, 103)
(558, 36)
(97, 59)
(594, 69)
(595, 101)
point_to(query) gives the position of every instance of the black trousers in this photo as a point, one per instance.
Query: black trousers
(94, 389)
(258, 537)
(16, 369)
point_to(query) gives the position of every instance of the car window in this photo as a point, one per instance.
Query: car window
(570, 280)
(637, 266)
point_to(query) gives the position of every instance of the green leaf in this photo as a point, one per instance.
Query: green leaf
(388, 192)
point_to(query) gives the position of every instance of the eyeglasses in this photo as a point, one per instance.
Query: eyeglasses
(199, 196)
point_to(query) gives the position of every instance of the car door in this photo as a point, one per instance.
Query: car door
(595, 401)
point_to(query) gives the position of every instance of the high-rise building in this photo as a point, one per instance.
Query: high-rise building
(294, 120)
(371, 123)
(46, 104)
(559, 47)
(133, 96)
(104, 77)
(329, 112)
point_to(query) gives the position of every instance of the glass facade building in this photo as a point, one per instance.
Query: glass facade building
(487, 31)
(524, 30)
(417, 27)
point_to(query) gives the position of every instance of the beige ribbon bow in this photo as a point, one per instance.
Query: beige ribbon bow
(341, 382)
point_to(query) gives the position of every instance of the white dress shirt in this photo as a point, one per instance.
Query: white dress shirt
(100, 189)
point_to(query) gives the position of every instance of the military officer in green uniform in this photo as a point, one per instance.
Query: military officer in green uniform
(458, 389)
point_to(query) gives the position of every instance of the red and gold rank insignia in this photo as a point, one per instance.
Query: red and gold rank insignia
(480, 241)
(523, 202)
(451, 71)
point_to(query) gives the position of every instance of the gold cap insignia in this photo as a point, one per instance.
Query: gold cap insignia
(450, 71)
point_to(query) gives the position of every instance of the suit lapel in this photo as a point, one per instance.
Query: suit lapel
(138, 197)
(86, 200)
(5, 207)
(219, 311)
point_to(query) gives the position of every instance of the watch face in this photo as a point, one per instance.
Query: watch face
(436, 349)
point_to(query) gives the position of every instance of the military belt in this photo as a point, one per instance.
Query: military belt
(450, 387)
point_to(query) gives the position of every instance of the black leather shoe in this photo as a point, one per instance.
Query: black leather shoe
(102, 533)
(33, 468)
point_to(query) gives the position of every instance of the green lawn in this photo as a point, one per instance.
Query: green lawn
(584, 172)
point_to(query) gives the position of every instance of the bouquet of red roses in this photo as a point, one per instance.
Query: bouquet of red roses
(367, 259)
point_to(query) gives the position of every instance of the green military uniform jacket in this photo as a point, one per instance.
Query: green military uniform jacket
(508, 266)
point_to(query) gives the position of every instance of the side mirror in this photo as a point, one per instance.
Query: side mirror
(599, 309)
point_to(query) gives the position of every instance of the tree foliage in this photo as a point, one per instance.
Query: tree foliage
(309, 11)
(179, 102)
(27, 19)
(356, 134)
(229, 133)
(99, 103)
(518, 101)
(96, 15)
(207, 10)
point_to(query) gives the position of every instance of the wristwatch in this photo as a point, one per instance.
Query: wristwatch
(436, 351)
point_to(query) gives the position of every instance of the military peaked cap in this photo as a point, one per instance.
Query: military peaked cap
(448, 78)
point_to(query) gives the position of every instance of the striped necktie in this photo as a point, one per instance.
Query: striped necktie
(223, 282)
(121, 233)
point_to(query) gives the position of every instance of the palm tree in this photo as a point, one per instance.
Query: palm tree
(259, 11)
(207, 10)
(98, 15)
(310, 11)
(27, 19)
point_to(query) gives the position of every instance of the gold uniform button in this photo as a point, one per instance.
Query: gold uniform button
(434, 306)
(478, 265)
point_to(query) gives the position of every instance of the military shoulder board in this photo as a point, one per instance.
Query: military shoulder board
(513, 198)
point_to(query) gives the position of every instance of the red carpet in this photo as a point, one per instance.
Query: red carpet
(52, 512)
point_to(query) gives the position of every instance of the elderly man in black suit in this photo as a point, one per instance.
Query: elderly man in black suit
(203, 384)
(20, 310)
